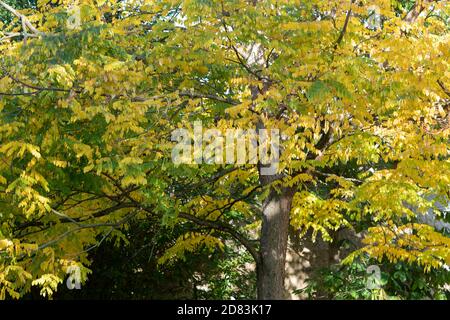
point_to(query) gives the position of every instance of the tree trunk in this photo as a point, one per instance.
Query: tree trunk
(273, 245)
(270, 269)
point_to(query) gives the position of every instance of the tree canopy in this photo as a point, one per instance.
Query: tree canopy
(91, 92)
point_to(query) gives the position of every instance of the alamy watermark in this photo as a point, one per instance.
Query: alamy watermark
(74, 17)
(373, 21)
(74, 279)
(374, 280)
(237, 146)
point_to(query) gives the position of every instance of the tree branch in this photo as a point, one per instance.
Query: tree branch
(344, 28)
(26, 24)
(441, 84)
(227, 229)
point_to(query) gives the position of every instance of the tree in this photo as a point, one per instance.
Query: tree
(92, 93)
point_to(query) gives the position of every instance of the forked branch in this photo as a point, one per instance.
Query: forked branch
(26, 25)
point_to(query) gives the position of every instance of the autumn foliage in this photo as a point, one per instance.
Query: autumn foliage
(90, 92)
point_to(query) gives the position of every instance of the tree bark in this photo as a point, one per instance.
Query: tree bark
(273, 245)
